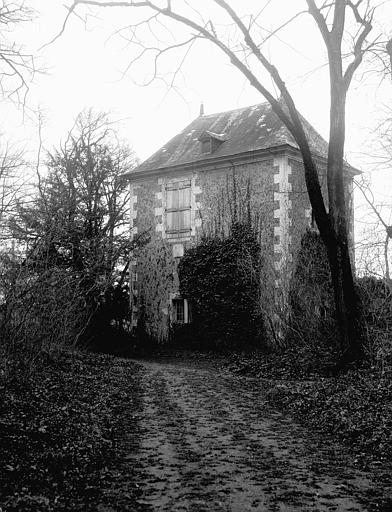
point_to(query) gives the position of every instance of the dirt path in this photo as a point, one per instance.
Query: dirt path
(209, 442)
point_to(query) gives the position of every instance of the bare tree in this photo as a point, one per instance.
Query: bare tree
(17, 66)
(381, 223)
(375, 245)
(12, 164)
(76, 244)
(79, 214)
(241, 39)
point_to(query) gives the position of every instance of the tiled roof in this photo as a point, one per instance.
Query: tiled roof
(241, 130)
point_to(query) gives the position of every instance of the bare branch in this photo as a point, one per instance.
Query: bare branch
(282, 26)
(370, 202)
(16, 67)
(366, 23)
(320, 20)
(70, 11)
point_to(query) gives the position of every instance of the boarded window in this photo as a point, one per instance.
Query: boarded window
(178, 209)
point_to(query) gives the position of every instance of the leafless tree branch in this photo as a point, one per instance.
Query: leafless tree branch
(17, 67)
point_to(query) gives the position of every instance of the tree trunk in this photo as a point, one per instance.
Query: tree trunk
(346, 300)
(348, 314)
(333, 226)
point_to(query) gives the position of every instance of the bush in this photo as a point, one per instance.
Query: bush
(110, 325)
(312, 325)
(41, 312)
(46, 309)
(221, 280)
(376, 303)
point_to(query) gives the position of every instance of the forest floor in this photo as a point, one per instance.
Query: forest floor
(98, 433)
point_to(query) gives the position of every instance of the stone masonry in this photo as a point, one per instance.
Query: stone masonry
(258, 181)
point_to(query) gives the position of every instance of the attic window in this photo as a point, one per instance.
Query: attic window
(206, 146)
(210, 141)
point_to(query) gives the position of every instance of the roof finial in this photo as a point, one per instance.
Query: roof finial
(201, 109)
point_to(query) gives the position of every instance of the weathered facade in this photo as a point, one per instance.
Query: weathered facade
(235, 166)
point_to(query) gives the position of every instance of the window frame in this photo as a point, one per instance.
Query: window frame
(176, 186)
(185, 313)
(206, 145)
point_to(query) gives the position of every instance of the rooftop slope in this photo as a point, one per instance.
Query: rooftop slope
(245, 129)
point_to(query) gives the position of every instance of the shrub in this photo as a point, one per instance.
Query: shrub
(110, 325)
(221, 280)
(39, 314)
(312, 325)
(376, 302)
(41, 311)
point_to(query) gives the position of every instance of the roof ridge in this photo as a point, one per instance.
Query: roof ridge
(234, 110)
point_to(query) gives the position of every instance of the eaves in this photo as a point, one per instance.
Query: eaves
(213, 163)
(221, 162)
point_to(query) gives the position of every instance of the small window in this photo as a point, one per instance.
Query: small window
(178, 209)
(210, 141)
(178, 311)
(181, 311)
(206, 146)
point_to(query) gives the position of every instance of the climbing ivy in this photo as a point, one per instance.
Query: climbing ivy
(311, 296)
(221, 279)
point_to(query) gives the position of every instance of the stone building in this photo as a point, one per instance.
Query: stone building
(241, 165)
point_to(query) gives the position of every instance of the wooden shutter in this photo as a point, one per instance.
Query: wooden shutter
(178, 208)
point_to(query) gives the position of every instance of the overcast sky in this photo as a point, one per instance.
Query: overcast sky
(85, 68)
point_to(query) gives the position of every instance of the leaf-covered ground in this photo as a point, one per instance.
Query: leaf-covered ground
(354, 407)
(96, 433)
(59, 435)
(210, 441)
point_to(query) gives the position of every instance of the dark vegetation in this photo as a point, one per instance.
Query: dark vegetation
(221, 279)
(311, 324)
(63, 287)
(64, 283)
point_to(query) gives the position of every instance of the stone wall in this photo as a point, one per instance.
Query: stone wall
(269, 193)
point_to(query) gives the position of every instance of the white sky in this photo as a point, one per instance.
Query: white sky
(85, 70)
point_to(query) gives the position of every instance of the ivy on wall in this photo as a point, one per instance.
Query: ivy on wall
(156, 280)
(221, 279)
(311, 295)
